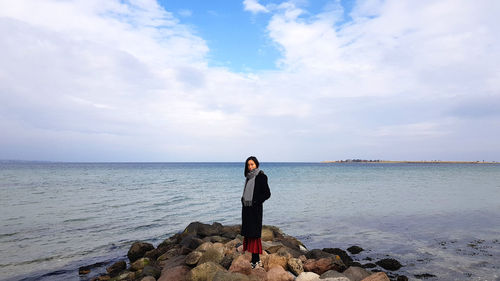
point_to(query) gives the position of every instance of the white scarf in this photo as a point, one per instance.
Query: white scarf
(249, 187)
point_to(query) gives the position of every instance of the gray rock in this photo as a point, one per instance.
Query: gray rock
(346, 259)
(211, 255)
(355, 250)
(355, 273)
(150, 270)
(318, 254)
(331, 274)
(193, 257)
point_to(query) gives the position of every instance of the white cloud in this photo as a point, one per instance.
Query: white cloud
(126, 81)
(254, 6)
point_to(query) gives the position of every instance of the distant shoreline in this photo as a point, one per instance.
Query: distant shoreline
(409, 162)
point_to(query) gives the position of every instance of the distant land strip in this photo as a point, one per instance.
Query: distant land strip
(410, 162)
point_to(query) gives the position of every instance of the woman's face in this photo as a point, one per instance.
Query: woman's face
(251, 165)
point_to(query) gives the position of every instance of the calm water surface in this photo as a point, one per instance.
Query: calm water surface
(442, 219)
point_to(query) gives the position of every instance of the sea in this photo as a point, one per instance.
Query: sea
(440, 221)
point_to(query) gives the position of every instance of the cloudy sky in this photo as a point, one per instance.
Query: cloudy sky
(303, 80)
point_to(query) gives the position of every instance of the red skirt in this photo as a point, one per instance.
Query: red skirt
(252, 245)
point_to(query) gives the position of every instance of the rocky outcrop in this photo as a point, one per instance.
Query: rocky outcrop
(213, 252)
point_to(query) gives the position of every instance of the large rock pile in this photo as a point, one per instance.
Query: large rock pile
(204, 252)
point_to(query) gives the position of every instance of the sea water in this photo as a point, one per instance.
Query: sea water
(441, 219)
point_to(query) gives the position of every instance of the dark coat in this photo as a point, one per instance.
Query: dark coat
(251, 217)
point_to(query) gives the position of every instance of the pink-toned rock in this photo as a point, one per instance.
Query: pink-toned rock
(241, 264)
(302, 258)
(277, 273)
(307, 276)
(318, 266)
(173, 262)
(379, 276)
(258, 274)
(148, 278)
(274, 260)
(177, 273)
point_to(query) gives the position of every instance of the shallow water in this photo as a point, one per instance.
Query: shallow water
(442, 219)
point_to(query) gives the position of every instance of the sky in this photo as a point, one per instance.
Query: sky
(298, 80)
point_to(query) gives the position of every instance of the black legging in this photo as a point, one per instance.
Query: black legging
(255, 258)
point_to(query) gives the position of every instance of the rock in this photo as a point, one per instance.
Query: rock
(116, 268)
(369, 265)
(389, 264)
(241, 264)
(271, 246)
(346, 259)
(267, 234)
(169, 254)
(404, 278)
(124, 276)
(227, 261)
(204, 272)
(231, 231)
(277, 273)
(211, 255)
(307, 276)
(424, 275)
(355, 250)
(332, 274)
(86, 269)
(355, 273)
(258, 274)
(274, 260)
(292, 242)
(216, 239)
(148, 278)
(318, 254)
(193, 257)
(150, 270)
(230, 276)
(295, 266)
(203, 230)
(138, 250)
(139, 264)
(322, 265)
(191, 242)
(379, 276)
(173, 262)
(336, 279)
(176, 273)
(153, 254)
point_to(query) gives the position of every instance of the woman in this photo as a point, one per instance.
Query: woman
(255, 193)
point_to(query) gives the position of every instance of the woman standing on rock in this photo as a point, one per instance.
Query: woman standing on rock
(255, 193)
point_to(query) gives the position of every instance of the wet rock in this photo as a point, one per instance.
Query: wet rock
(369, 265)
(193, 257)
(355, 250)
(86, 269)
(116, 268)
(295, 266)
(355, 273)
(389, 264)
(176, 273)
(307, 276)
(346, 259)
(139, 264)
(204, 272)
(138, 250)
(402, 278)
(277, 273)
(424, 275)
(379, 276)
(318, 254)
